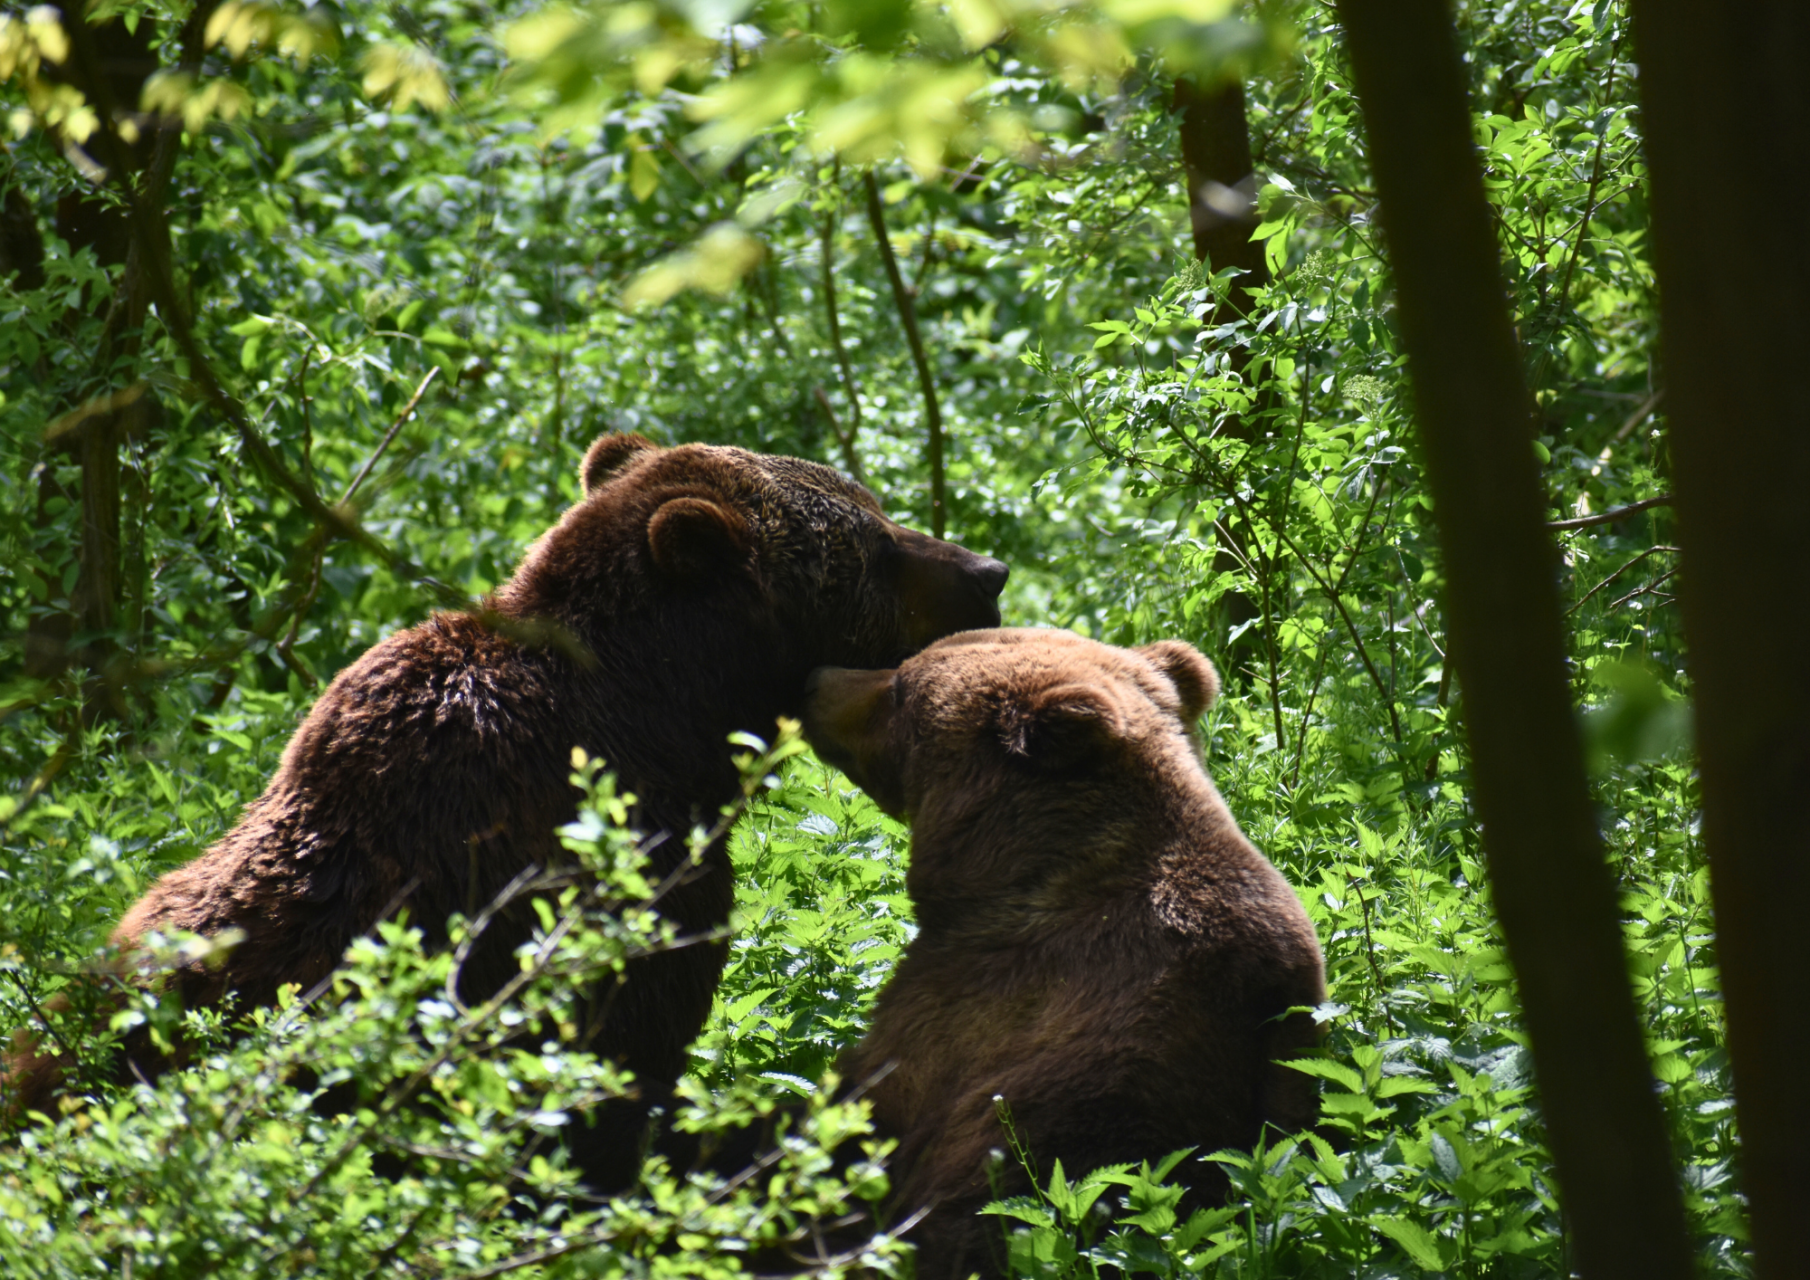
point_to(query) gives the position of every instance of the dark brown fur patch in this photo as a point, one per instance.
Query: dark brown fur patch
(1098, 943)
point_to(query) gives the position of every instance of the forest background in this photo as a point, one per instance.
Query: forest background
(329, 359)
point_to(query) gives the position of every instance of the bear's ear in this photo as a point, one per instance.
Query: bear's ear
(608, 455)
(1061, 725)
(1191, 674)
(693, 537)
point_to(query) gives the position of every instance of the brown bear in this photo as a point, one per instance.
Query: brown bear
(1098, 944)
(686, 596)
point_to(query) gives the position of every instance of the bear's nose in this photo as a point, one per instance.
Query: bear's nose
(990, 574)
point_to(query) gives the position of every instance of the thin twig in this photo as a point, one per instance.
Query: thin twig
(844, 438)
(1158, 184)
(876, 214)
(1610, 517)
(42, 779)
(1394, 658)
(1416, 614)
(1635, 419)
(1269, 648)
(917, 283)
(1278, 519)
(1307, 714)
(1370, 950)
(1596, 174)
(42, 1018)
(1616, 574)
(409, 408)
(1332, 594)
(1641, 591)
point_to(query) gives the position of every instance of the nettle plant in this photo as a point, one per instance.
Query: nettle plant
(1268, 450)
(382, 1125)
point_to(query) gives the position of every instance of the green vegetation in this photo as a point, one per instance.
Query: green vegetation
(419, 257)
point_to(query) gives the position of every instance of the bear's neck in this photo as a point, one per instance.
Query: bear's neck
(997, 876)
(1067, 893)
(660, 683)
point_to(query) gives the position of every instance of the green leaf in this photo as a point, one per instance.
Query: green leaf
(1021, 1209)
(1326, 1069)
(1352, 1105)
(1394, 1086)
(745, 1005)
(1415, 1242)
(440, 337)
(643, 174)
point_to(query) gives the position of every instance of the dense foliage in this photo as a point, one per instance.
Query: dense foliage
(429, 275)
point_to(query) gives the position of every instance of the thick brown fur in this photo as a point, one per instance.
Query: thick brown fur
(686, 596)
(1098, 943)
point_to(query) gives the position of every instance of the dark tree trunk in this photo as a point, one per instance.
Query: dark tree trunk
(21, 247)
(1722, 92)
(1222, 183)
(121, 61)
(1222, 210)
(97, 584)
(1553, 890)
(111, 67)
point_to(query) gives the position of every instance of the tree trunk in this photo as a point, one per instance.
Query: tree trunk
(1553, 891)
(1222, 209)
(121, 62)
(21, 247)
(1722, 95)
(97, 584)
(1222, 184)
(111, 67)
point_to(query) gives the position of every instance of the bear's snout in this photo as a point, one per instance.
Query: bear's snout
(990, 575)
(847, 719)
(945, 588)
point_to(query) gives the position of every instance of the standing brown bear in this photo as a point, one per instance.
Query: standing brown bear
(692, 589)
(1098, 944)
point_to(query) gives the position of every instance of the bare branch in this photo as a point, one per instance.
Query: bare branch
(1635, 419)
(409, 408)
(933, 415)
(1610, 517)
(1616, 574)
(1641, 591)
(844, 438)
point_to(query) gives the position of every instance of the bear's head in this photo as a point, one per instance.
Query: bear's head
(1004, 748)
(780, 555)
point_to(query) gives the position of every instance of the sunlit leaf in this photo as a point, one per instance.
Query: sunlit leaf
(714, 264)
(407, 73)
